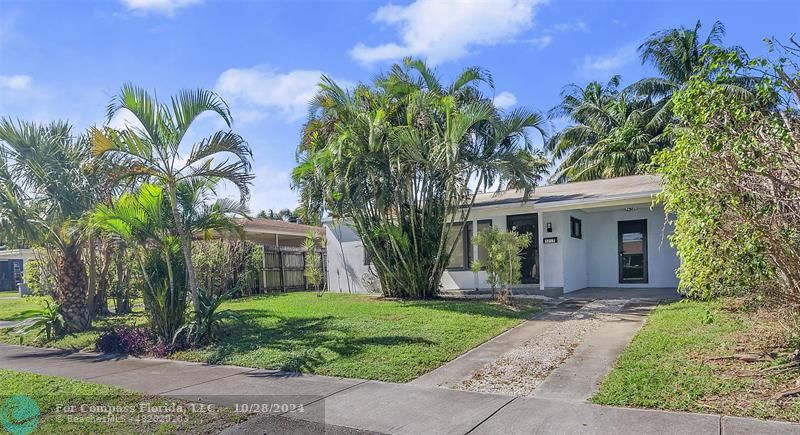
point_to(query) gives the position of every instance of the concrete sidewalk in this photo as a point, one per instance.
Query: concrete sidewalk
(336, 405)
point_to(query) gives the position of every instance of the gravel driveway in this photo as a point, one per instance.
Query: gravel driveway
(521, 370)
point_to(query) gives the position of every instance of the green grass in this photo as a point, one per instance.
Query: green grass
(355, 336)
(54, 395)
(78, 341)
(18, 308)
(338, 334)
(665, 366)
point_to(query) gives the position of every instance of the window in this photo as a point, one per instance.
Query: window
(458, 260)
(483, 255)
(576, 228)
(462, 253)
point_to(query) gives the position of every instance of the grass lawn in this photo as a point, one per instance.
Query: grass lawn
(53, 395)
(355, 336)
(18, 308)
(677, 362)
(78, 341)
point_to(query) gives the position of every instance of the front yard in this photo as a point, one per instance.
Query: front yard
(682, 360)
(338, 334)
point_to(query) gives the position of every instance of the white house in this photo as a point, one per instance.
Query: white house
(603, 233)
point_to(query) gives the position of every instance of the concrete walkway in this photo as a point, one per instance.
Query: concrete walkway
(336, 405)
(581, 374)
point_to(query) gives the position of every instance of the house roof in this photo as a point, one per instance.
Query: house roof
(271, 226)
(632, 187)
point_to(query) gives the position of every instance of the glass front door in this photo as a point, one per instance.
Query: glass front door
(632, 251)
(527, 223)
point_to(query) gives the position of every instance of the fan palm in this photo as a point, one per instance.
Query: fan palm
(45, 190)
(397, 158)
(152, 150)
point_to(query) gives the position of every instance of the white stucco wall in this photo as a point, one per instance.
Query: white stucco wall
(600, 233)
(575, 253)
(345, 259)
(571, 263)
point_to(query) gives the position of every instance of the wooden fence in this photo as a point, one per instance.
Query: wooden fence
(283, 269)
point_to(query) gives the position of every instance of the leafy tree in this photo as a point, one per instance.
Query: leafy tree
(731, 181)
(610, 133)
(151, 150)
(45, 191)
(504, 264)
(397, 159)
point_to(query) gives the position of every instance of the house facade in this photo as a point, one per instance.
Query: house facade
(12, 267)
(602, 233)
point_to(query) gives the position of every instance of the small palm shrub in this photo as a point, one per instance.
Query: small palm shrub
(47, 321)
(205, 325)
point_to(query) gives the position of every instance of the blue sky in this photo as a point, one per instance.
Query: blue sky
(65, 60)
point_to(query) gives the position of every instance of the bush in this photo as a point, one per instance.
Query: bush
(223, 266)
(39, 278)
(124, 339)
(133, 341)
(732, 181)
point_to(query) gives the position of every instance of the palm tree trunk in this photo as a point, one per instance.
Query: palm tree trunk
(186, 247)
(72, 288)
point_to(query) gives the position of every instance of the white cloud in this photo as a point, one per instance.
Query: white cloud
(166, 7)
(254, 90)
(609, 63)
(504, 100)
(15, 82)
(577, 25)
(446, 30)
(541, 42)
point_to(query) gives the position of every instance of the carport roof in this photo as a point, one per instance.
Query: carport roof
(270, 226)
(632, 187)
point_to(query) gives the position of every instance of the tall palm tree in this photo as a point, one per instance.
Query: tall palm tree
(152, 150)
(45, 191)
(678, 54)
(397, 159)
(610, 135)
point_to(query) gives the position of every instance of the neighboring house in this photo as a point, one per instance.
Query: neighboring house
(278, 233)
(602, 233)
(12, 267)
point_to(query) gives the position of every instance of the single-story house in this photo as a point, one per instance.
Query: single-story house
(602, 233)
(12, 267)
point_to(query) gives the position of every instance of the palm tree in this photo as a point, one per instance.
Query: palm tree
(611, 135)
(152, 150)
(144, 219)
(397, 159)
(678, 54)
(45, 192)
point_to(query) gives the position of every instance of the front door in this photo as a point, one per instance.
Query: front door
(527, 224)
(632, 251)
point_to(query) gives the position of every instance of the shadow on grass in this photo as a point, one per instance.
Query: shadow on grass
(476, 308)
(303, 342)
(22, 315)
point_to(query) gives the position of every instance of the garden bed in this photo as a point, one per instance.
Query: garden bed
(344, 335)
(698, 356)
